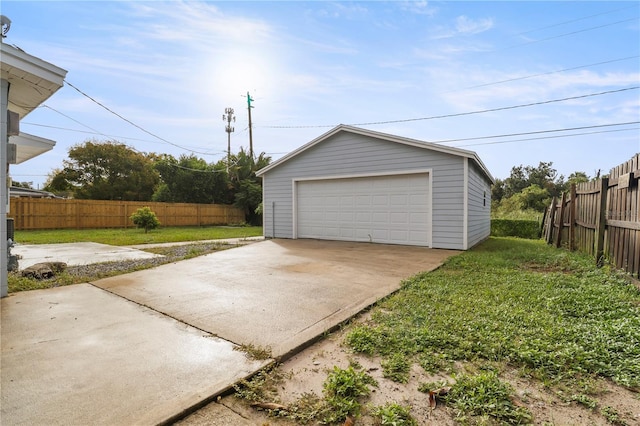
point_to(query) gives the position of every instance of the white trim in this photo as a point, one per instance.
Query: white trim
(465, 204)
(369, 174)
(378, 135)
(294, 206)
(428, 172)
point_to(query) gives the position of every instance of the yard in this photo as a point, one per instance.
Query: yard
(511, 332)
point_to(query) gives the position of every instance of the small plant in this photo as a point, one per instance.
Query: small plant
(261, 387)
(394, 414)
(145, 218)
(364, 339)
(343, 390)
(485, 395)
(257, 353)
(396, 368)
(612, 416)
(585, 400)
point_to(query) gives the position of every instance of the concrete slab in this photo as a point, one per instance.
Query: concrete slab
(76, 253)
(78, 355)
(276, 293)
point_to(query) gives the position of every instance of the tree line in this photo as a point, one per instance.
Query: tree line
(528, 190)
(111, 170)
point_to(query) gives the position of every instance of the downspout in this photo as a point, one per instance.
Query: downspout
(273, 219)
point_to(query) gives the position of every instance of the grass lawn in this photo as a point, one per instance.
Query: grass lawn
(134, 236)
(507, 305)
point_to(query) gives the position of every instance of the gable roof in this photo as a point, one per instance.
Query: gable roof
(383, 136)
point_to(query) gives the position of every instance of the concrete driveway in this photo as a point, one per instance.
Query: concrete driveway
(160, 341)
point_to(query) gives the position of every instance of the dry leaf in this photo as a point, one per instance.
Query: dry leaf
(349, 421)
(432, 399)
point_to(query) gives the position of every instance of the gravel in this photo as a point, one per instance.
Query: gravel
(83, 273)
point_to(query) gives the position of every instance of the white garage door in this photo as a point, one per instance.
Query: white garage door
(381, 209)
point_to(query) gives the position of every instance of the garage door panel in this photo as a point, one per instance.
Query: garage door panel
(384, 209)
(380, 200)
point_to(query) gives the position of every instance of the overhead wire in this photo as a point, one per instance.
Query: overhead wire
(567, 34)
(460, 114)
(536, 132)
(131, 122)
(544, 73)
(548, 137)
(575, 20)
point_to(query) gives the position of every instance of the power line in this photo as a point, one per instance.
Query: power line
(97, 132)
(567, 34)
(549, 137)
(129, 121)
(544, 73)
(568, 129)
(73, 119)
(406, 120)
(575, 20)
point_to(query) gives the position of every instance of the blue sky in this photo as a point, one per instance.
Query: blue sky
(173, 67)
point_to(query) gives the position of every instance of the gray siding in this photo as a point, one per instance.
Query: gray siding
(351, 154)
(479, 206)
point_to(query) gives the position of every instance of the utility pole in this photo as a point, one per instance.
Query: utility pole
(250, 127)
(229, 117)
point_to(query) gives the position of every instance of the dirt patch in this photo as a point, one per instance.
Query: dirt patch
(306, 372)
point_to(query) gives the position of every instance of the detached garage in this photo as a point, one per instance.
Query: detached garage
(353, 184)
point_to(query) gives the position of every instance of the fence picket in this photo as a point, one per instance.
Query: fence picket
(40, 213)
(602, 218)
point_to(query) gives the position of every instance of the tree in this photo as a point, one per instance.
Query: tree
(545, 176)
(246, 186)
(106, 171)
(145, 218)
(577, 177)
(191, 180)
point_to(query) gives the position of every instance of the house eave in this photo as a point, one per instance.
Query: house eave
(30, 146)
(32, 80)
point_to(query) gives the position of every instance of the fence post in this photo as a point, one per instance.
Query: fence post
(561, 219)
(572, 218)
(601, 225)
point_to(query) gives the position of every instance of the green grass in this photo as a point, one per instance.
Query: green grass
(547, 312)
(134, 236)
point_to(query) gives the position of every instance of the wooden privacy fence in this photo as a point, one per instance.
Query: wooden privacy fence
(42, 213)
(601, 218)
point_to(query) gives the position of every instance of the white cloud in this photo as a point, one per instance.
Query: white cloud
(465, 25)
(419, 8)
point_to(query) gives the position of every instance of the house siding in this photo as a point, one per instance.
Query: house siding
(479, 206)
(348, 154)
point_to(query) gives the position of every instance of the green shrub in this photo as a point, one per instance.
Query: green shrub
(145, 218)
(515, 228)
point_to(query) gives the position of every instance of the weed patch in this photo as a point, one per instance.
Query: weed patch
(474, 397)
(396, 368)
(394, 415)
(564, 319)
(343, 391)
